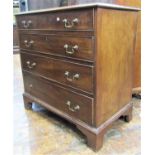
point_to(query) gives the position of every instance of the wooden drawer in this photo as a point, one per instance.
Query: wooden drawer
(66, 20)
(67, 46)
(70, 74)
(73, 104)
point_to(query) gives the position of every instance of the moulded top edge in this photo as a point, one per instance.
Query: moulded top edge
(103, 5)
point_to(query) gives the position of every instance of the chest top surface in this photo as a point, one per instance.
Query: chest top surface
(91, 5)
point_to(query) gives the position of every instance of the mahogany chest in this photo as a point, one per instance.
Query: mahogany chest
(77, 62)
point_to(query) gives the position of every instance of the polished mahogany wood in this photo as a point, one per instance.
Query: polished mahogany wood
(100, 88)
(55, 21)
(137, 51)
(95, 137)
(114, 76)
(56, 70)
(77, 47)
(137, 57)
(58, 97)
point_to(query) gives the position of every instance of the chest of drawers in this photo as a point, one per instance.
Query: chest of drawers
(77, 62)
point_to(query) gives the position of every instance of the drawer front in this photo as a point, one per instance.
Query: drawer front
(65, 20)
(73, 104)
(67, 46)
(64, 72)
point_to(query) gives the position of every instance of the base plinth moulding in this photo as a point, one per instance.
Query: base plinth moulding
(94, 135)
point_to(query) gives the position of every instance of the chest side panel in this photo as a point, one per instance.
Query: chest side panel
(115, 34)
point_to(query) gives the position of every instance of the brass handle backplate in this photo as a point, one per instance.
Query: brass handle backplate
(28, 43)
(72, 107)
(71, 49)
(67, 23)
(70, 24)
(26, 24)
(31, 65)
(71, 77)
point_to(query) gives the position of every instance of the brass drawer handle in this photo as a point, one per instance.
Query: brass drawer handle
(28, 43)
(72, 107)
(31, 65)
(26, 24)
(70, 24)
(70, 49)
(73, 77)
